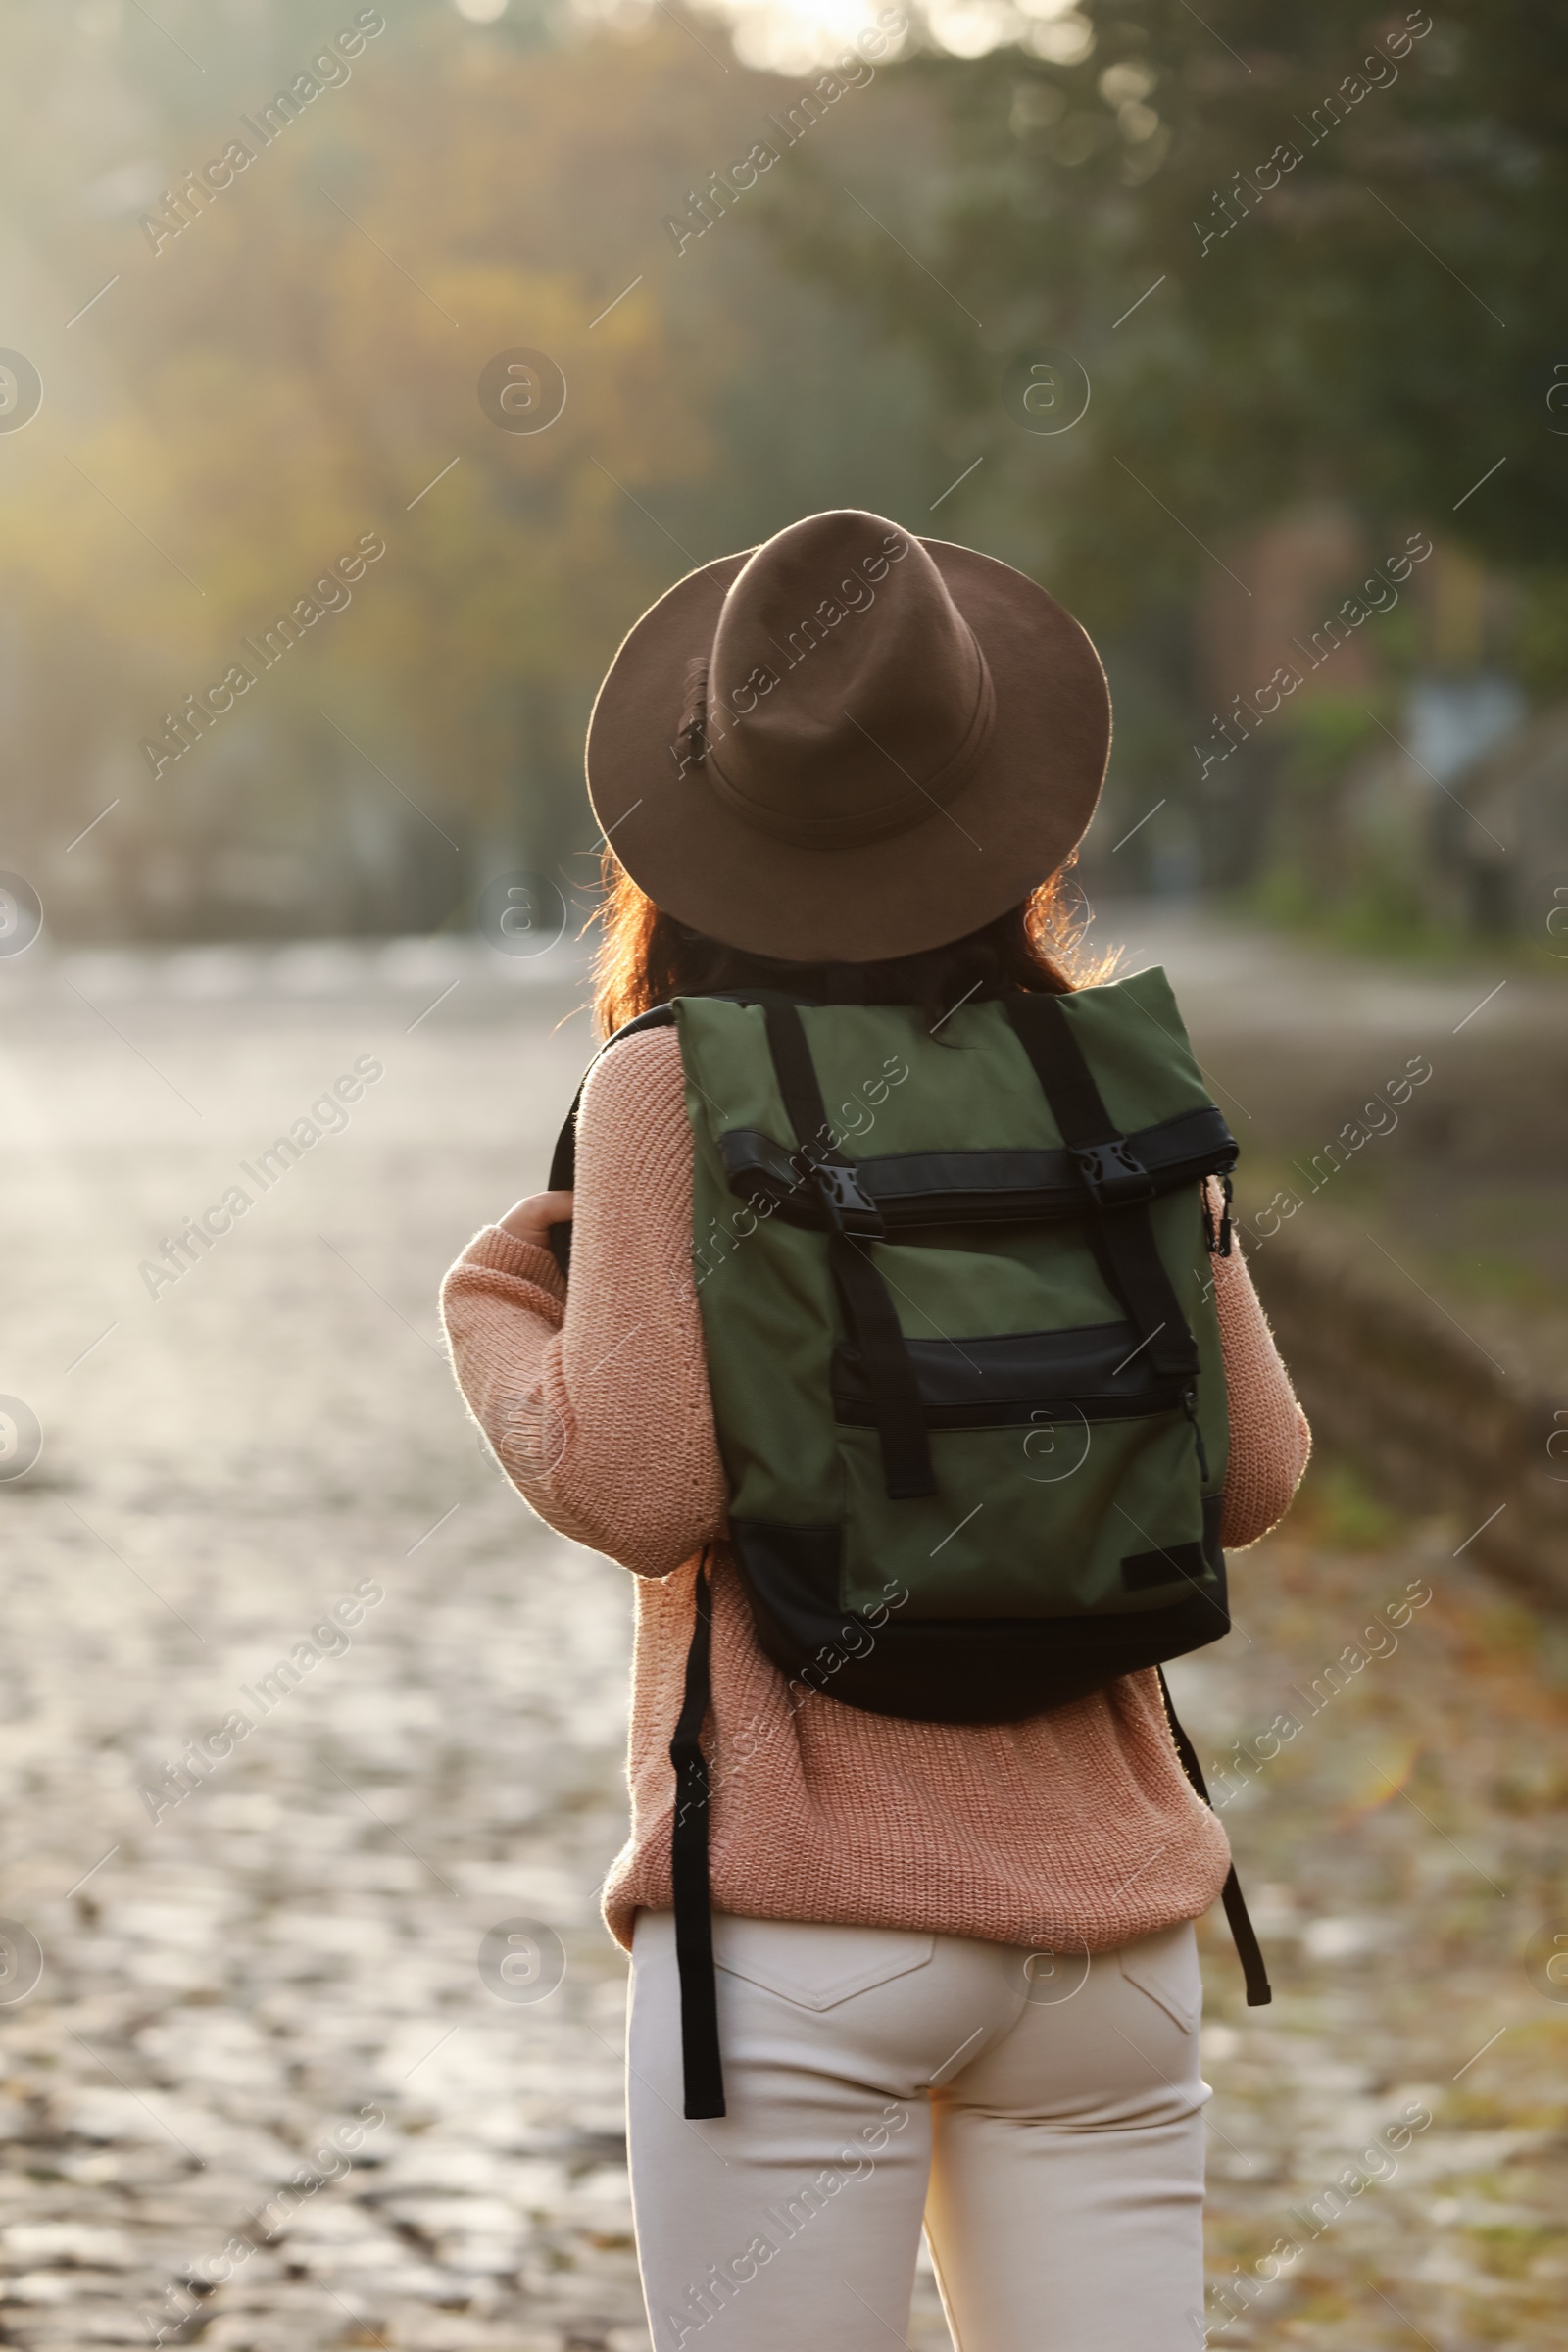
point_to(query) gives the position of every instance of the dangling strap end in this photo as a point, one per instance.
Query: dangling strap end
(1260, 1992)
(703, 2073)
(1244, 1934)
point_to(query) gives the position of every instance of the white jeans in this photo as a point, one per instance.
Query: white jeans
(1044, 2118)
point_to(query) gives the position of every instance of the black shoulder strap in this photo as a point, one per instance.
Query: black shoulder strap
(703, 2073)
(564, 1160)
(870, 1314)
(1114, 1179)
(1260, 1992)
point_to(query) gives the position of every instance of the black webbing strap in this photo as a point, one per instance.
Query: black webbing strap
(564, 1160)
(890, 1373)
(1121, 1233)
(688, 1852)
(1248, 1951)
(869, 1314)
(563, 1179)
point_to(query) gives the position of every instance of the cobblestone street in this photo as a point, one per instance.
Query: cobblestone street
(258, 1503)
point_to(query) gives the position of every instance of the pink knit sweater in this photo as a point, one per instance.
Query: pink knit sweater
(1076, 1827)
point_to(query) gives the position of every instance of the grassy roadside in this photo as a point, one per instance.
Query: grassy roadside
(1405, 1852)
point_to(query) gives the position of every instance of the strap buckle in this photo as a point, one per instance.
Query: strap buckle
(849, 1206)
(1113, 1173)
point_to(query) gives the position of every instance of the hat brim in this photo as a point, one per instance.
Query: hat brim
(1017, 817)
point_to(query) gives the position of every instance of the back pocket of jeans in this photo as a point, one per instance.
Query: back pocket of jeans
(815, 1967)
(1165, 1965)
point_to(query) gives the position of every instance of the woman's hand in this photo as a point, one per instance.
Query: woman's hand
(532, 1219)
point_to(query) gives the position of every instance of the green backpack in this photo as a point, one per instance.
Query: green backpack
(964, 1360)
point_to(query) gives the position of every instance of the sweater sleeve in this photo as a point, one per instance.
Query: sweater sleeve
(594, 1393)
(1270, 1439)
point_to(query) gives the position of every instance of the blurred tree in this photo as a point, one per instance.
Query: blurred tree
(1188, 270)
(281, 367)
(1295, 255)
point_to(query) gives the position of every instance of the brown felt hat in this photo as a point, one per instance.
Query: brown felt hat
(848, 743)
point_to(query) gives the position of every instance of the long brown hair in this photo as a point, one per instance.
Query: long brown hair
(646, 957)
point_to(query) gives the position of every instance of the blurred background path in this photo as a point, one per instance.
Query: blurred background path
(295, 1945)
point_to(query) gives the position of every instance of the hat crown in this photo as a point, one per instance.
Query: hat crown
(847, 695)
(849, 744)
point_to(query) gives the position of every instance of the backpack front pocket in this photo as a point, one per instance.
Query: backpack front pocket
(1067, 1481)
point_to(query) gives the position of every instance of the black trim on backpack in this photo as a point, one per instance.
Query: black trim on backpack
(1117, 1184)
(1095, 1372)
(1147, 1571)
(869, 1314)
(907, 1190)
(958, 1670)
(703, 2074)
(1260, 1992)
(564, 1160)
